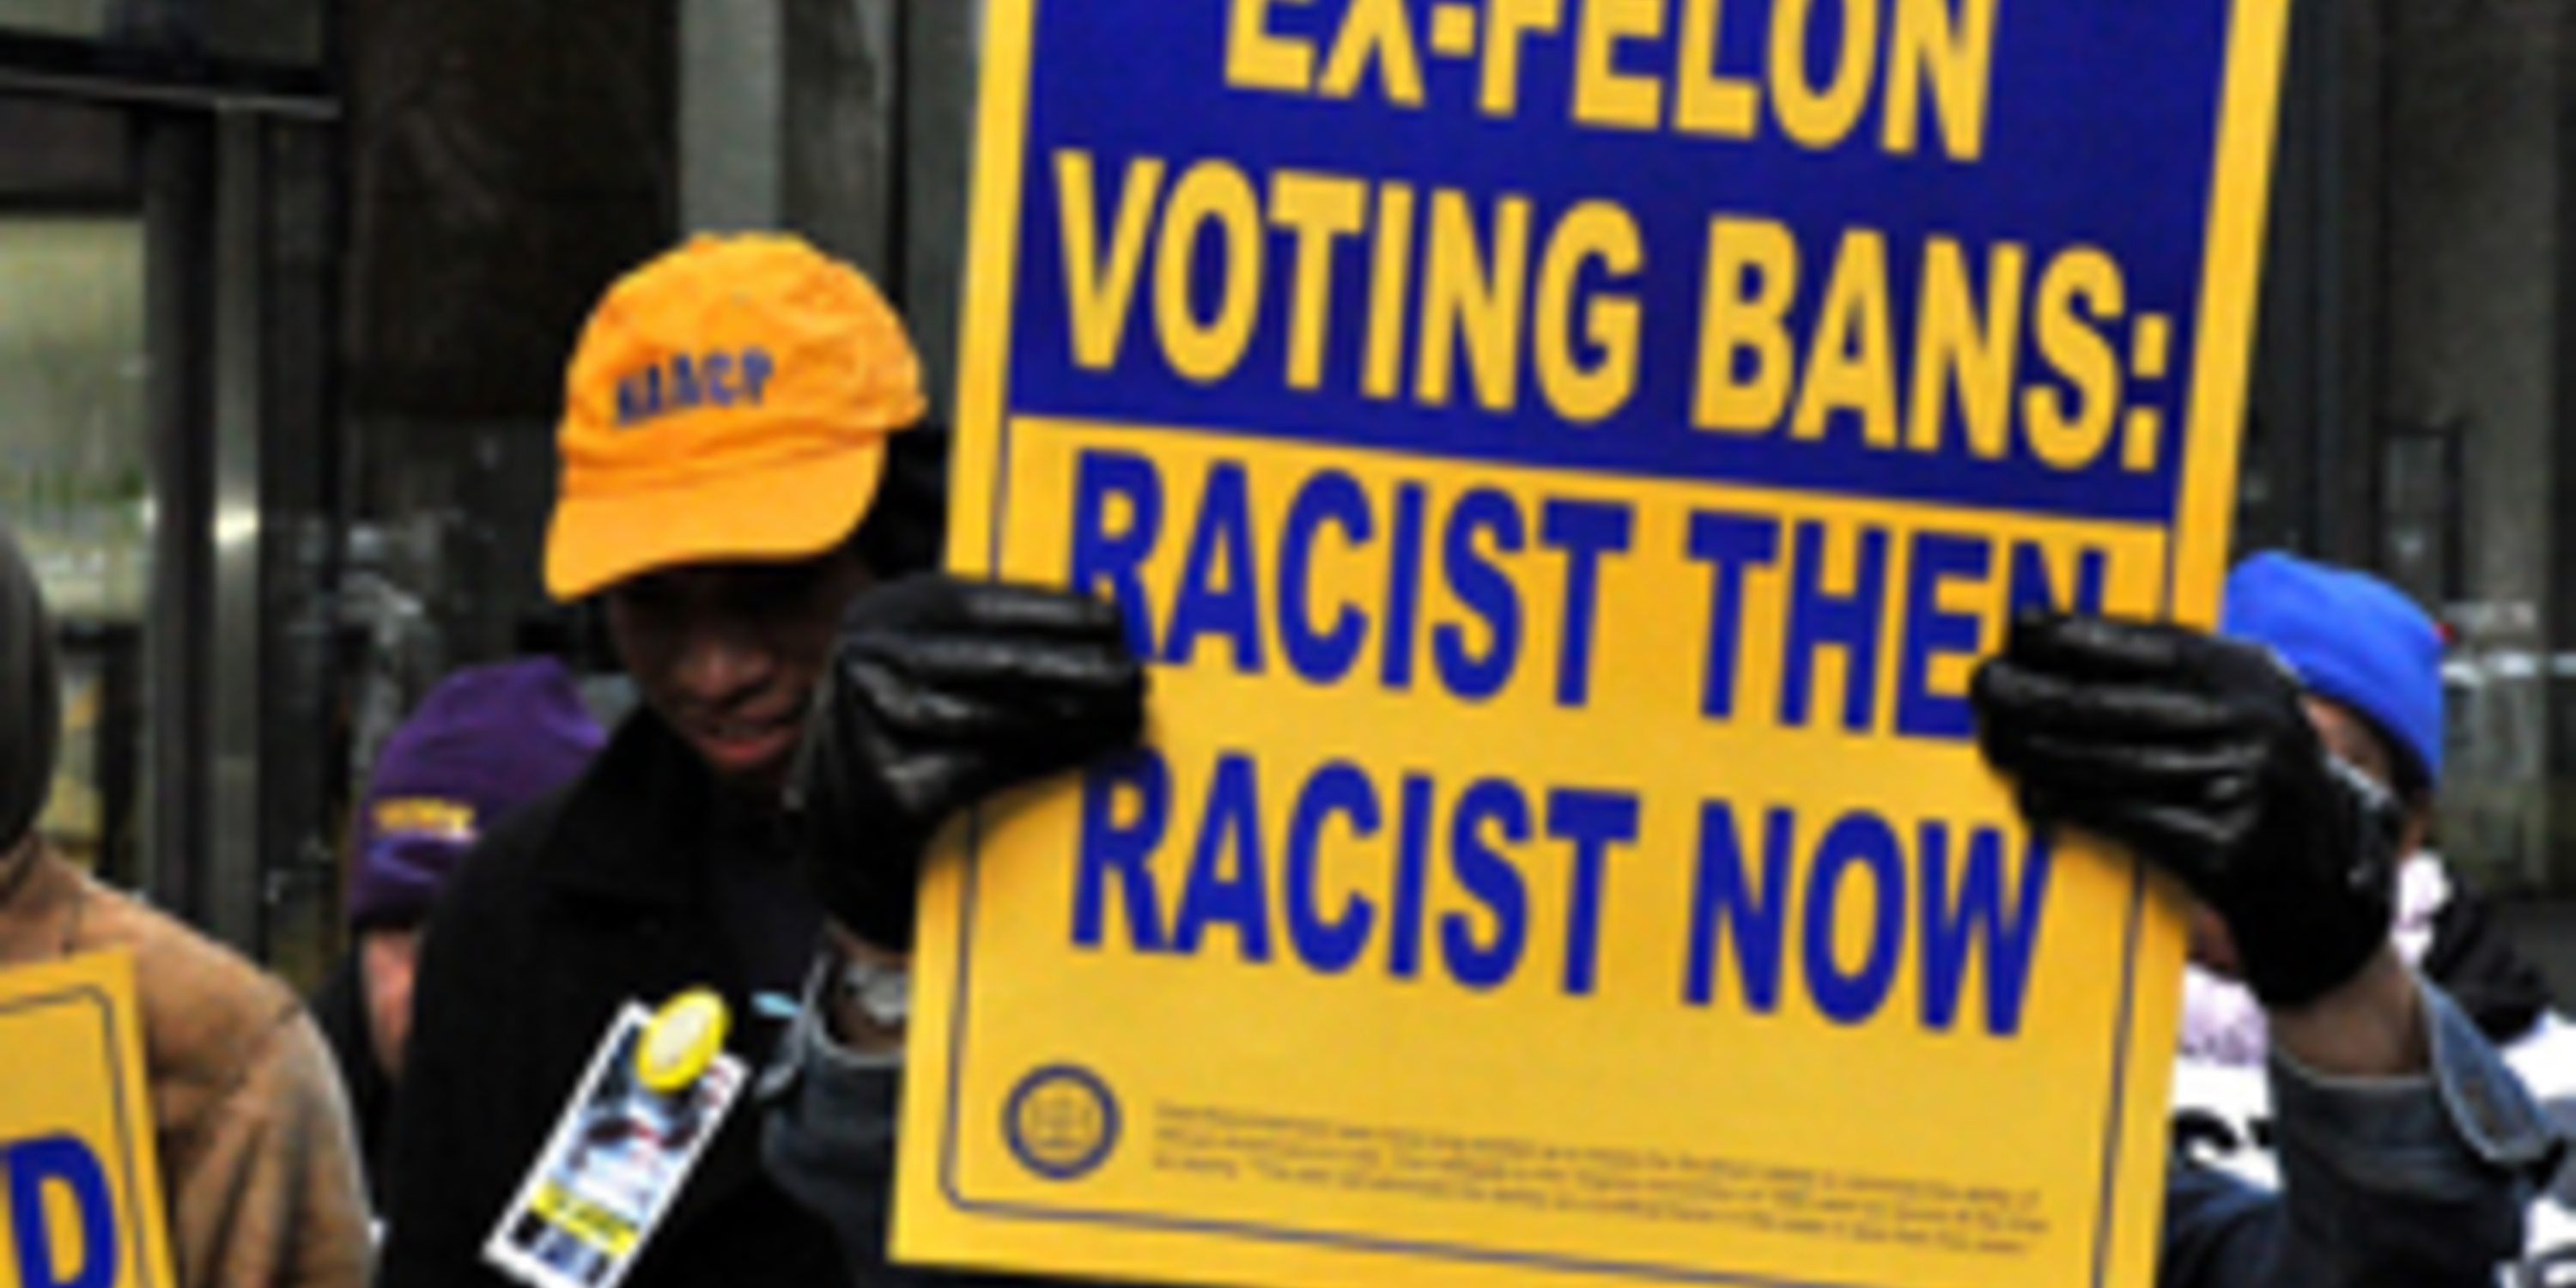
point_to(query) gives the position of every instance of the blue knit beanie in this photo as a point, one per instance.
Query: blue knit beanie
(2353, 639)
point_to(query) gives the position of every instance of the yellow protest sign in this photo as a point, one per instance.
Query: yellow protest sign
(1563, 461)
(78, 1173)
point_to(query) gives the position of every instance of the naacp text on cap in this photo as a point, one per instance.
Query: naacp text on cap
(685, 382)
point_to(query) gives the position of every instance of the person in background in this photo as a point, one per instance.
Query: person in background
(2407, 1147)
(486, 741)
(2369, 667)
(253, 1137)
(742, 470)
(2368, 663)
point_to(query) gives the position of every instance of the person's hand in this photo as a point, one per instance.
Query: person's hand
(2195, 752)
(940, 693)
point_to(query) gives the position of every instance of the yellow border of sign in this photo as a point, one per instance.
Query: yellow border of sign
(2230, 286)
(2231, 279)
(983, 370)
(1001, 147)
(2231, 282)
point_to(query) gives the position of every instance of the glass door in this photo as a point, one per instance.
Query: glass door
(75, 467)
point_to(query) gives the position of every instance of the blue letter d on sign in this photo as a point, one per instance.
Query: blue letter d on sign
(66, 1162)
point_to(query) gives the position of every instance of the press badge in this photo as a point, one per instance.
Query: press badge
(654, 1095)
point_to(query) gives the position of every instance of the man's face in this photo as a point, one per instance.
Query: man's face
(386, 958)
(729, 654)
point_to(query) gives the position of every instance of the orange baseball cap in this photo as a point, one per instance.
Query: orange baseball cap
(730, 400)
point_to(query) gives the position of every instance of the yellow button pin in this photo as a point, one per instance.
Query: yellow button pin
(681, 1040)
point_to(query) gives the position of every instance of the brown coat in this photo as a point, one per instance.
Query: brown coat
(254, 1138)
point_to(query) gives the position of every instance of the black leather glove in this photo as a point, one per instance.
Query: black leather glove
(940, 693)
(2195, 752)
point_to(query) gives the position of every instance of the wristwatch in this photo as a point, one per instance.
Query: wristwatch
(883, 993)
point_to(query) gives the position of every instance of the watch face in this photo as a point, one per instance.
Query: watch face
(888, 998)
(882, 993)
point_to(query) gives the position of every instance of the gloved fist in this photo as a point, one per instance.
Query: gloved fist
(940, 693)
(2195, 752)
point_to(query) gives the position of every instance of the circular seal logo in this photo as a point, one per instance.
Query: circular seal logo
(1061, 1122)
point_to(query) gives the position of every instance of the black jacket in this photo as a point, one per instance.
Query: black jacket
(593, 897)
(2474, 961)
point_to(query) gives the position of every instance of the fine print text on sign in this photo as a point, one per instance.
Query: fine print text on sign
(1564, 458)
